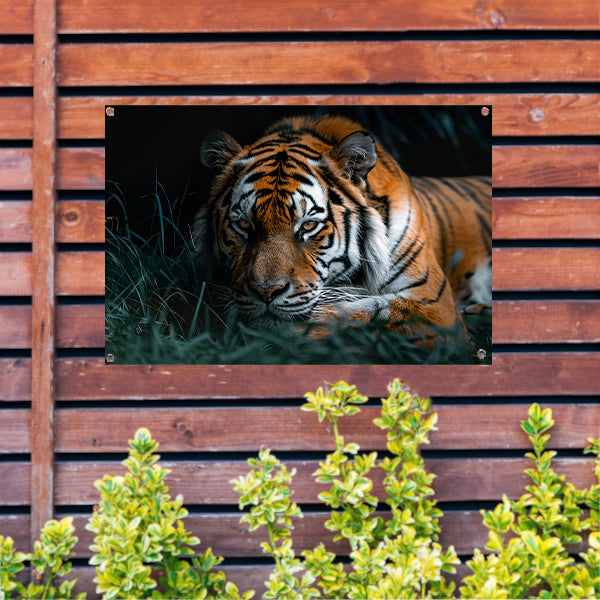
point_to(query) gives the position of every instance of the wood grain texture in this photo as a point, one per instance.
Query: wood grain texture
(513, 166)
(80, 221)
(15, 432)
(272, 63)
(538, 218)
(529, 374)
(515, 322)
(15, 221)
(76, 221)
(290, 429)
(17, 118)
(77, 16)
(15, 169)
(527, 218)
(555, 166)
(16, 65)
(545, 269)
(514, 269)
(513, 114)
(558, 373)
(208, 482)
(43, 298)
(77, 326)
(77, 274)
(543, 322)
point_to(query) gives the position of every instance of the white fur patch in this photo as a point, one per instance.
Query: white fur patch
(481, 284)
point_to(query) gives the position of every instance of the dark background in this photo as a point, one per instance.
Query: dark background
(152, 152)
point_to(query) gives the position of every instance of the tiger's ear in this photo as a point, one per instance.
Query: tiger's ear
(356, 155)
(217, 149)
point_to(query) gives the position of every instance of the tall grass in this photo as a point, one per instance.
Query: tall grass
(161, 309)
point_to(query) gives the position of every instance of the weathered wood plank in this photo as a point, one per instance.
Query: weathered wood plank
(539, 322)
(513, 166)
(290, 429)
(514, 269)
(545, 269)
(512, 218)
(15, 426)
(76, 221)
(15, 169)
(16, 484)
(78, 16)
(80, 221)
(555, 166)
(15, 221)
(80, 169)
(16, 65)
(17, 17)
(77, 326)
(513, 114)
(43, 299)
(545, 218)
(205, 483)
(556, 373)
(17, 118)
(271, 63)
(77, 273)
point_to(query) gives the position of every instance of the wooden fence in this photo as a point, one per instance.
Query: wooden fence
(65, 416)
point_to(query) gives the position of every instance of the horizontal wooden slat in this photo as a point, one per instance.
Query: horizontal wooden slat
(77, 16)
(539, 322)
(80, 169)
(76, 221)
(229, 538)
(513, 114)
(80, 221)
(15, 221)
(17, 118)
(290, 429)
(513, 166)
(237, 63)
(77, 326)
(545, 218)
(208, 482)
(529, 374)
(15, 431)
(459, 479)
(522, 374)
(15, 168)
(16, 65)
(535, 321)
(546, 166)
(512, 218)
(545, 269)
(17, 491)
(77, 273)
(514, 269)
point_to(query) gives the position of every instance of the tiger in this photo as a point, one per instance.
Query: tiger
(317, 205)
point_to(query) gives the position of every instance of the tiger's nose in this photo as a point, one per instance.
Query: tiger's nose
(268, 290)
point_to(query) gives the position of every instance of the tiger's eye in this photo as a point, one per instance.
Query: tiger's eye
(243, 224)
(309, 226)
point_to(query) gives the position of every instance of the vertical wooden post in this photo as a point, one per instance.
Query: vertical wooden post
(43, 300)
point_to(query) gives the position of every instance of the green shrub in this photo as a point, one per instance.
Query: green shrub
(142, 549)
(49, 560)
(400, 557)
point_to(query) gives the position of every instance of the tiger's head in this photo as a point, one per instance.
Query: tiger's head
(288, 215)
